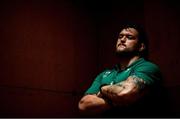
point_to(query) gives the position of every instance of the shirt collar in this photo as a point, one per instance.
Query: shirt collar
(117, 66)
(136, 62)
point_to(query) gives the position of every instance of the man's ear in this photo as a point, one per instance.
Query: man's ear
(142, 47)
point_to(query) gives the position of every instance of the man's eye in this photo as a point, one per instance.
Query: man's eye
(130, 37)
(120, 36)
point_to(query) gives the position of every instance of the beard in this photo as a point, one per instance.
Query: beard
(126, 53)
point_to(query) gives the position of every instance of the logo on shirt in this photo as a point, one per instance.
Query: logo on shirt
(106, 74)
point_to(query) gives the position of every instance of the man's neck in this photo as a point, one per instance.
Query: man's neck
(125, 62)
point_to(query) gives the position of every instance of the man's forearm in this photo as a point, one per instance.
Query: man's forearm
(125, 92)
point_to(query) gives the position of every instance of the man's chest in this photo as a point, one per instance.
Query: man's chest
(113, 76)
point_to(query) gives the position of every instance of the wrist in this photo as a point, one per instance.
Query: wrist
(107, 100)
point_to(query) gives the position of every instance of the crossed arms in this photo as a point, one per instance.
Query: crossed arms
(121, 94)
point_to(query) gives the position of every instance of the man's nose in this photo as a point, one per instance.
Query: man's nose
(123, 39)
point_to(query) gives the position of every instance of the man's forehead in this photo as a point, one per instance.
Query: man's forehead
(129, 30)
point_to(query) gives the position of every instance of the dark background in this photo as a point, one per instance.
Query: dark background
(51, 50)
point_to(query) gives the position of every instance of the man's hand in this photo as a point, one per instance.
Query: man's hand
(93, 104)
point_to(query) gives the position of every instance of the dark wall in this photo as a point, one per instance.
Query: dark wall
(52, 50)
(162, 21)
(48, 49)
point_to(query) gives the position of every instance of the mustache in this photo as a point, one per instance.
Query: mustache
(121, 44)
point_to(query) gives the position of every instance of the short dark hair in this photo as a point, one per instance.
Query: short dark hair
(142, 36)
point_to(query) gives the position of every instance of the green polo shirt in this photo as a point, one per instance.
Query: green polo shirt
(141, 68)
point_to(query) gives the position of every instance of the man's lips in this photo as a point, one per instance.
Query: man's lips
(121, 45)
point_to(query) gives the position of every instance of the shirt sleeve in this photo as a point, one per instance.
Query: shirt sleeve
(94, 88)
(149, 72)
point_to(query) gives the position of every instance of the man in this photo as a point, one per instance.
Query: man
(122, 90)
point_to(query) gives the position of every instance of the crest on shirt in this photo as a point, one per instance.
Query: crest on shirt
(106, 74)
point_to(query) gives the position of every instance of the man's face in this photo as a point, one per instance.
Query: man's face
(127, 42)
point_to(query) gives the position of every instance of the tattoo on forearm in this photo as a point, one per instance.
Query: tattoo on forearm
(131, 85)
(140, 83)
(120, 84)
(126, 91)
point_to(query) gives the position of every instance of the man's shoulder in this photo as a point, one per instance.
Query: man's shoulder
(148, 64)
